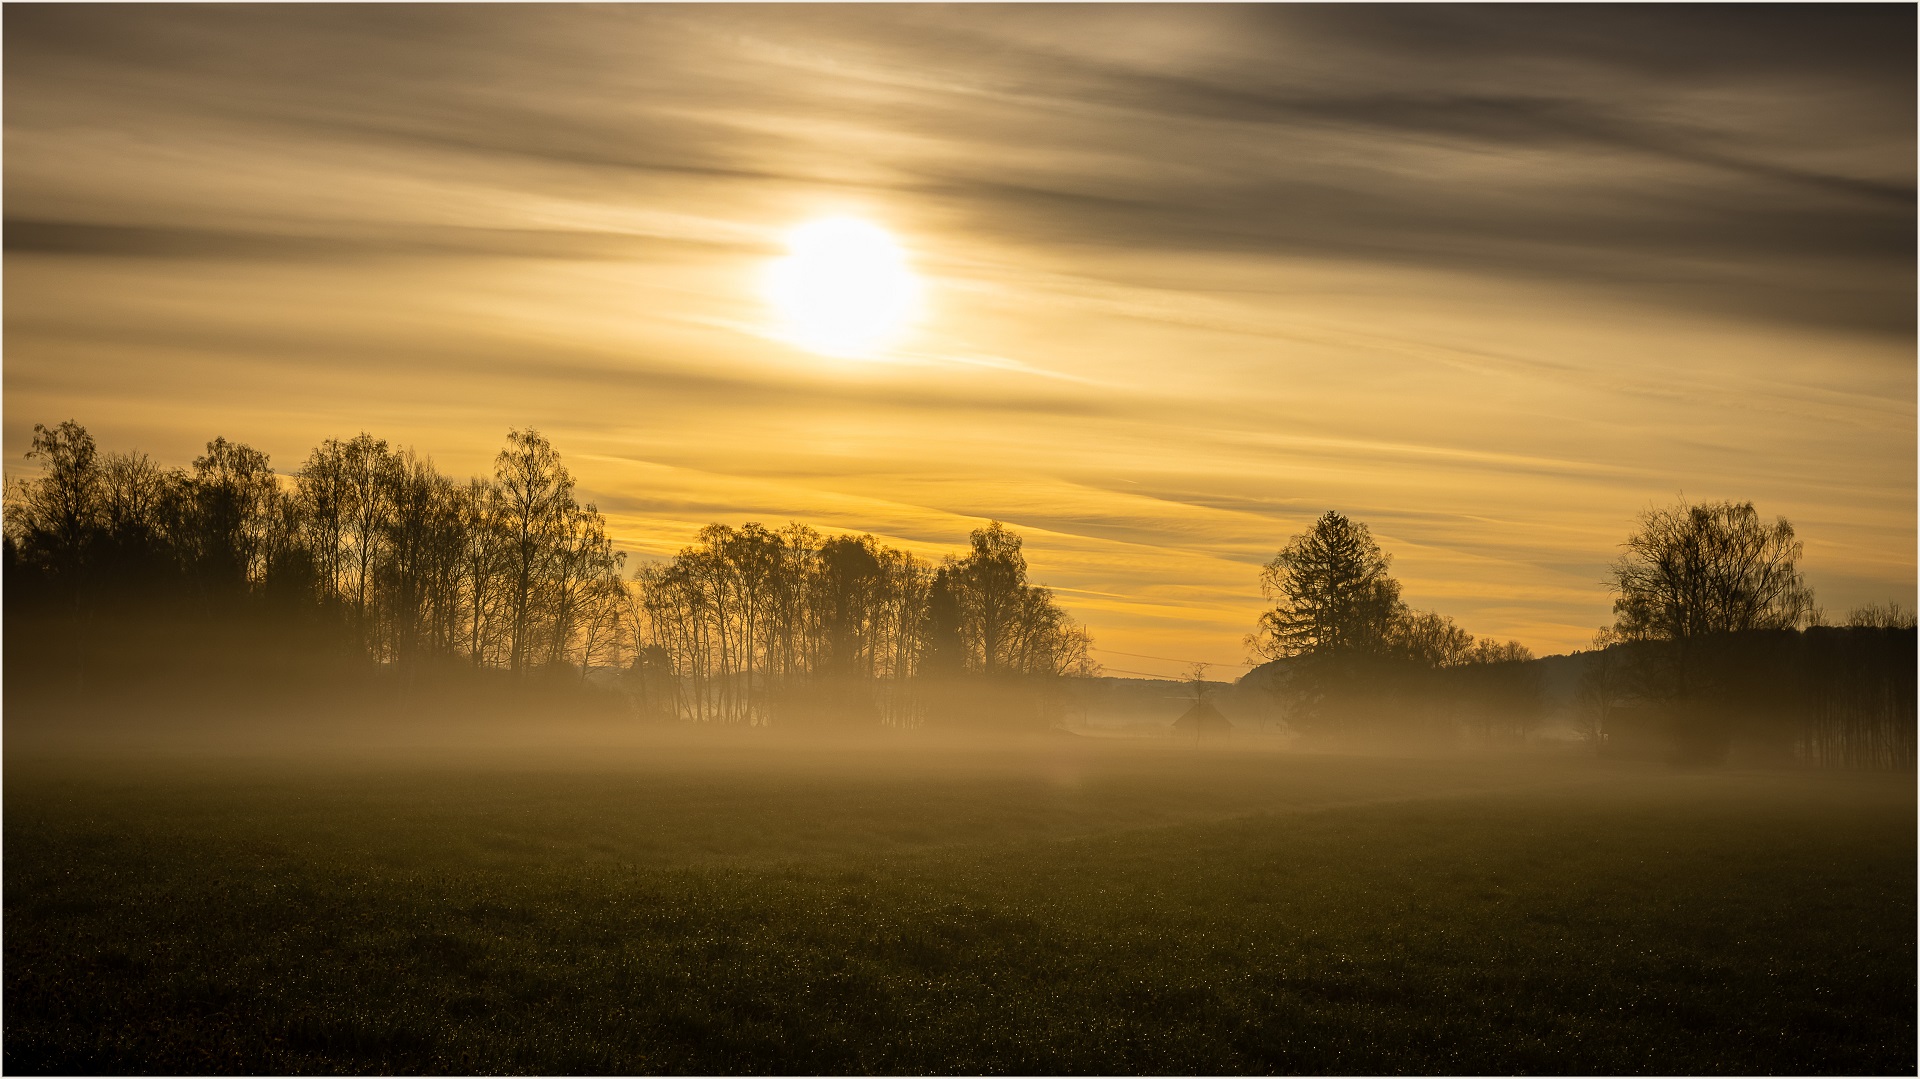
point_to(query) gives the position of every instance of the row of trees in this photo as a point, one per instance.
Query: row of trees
(371, 553)
(410, 566)
(752, 623)
(1716, 639)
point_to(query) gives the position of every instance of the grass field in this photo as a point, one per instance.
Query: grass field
(1061, 905)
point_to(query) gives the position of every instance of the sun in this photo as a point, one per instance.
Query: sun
(844, 289)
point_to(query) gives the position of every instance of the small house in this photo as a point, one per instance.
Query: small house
(1202, 719)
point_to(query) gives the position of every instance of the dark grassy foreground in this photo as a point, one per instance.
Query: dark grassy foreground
(1040, 909)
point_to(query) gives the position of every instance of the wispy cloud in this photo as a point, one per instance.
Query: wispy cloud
(1491, 277)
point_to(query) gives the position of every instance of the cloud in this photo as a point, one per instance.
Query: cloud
(1656, 153)
(1492, 276)
(79, 238)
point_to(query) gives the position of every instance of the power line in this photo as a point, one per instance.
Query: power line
(1167, 659)
(1104, 669)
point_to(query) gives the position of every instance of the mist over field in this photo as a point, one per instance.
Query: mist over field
(959, 539)
(740, 901)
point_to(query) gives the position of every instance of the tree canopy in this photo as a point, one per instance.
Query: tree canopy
(509, 571)
(402, 566)
(1332, 593)
(1353, 647)
(1697, 570)
(751, 622)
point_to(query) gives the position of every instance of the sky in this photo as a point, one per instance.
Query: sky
(1491, 280)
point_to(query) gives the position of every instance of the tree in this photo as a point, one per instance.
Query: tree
(481, 554)
(534, 491)
(850, 583)
(583, 561)
(417, 548)
(1877, 616)
(1333, 598)
(374, 553)
(756, 557)
(989, 581)
(844, 627)
(1430, 640)
(901, 627)
(1486, 650)
(607, 622)
(326, 498)
(945, 654)
(1348, 640)
(1005, 626)
(368, 475)
(235, 508)
(57, 515)
(132, 488)
(137, 499)
(1694, 573)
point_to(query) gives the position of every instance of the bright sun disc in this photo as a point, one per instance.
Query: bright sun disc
(844, 289)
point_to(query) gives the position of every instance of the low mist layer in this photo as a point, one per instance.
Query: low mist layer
(743, 901)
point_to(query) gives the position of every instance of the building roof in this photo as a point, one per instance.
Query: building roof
(1205, 715)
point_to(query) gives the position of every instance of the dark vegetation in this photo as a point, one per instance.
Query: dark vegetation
(373, 577)
(368, 580)
(1716, 645)
(753, 626)
(1352, 660)
(1065, 906)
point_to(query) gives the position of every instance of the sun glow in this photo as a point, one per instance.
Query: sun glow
(844, 289)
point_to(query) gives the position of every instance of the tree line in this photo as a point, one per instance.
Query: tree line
(1716, 641)
(411, 567)
(368, 557)
(369, 553)
(752, 624)
(1355, 659)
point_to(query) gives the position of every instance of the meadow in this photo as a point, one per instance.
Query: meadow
(747, 903)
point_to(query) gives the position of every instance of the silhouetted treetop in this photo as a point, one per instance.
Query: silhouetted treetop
(1352, 648)
(413, 567)
(1697, 570)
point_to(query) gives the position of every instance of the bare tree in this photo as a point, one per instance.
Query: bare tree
(414, 543)
(607, 615)
(1430, 640)
(1691, 573)
(1881, 616)
(327, 504)
(583, 560)
(534, 491)
(511, 571)
(368, 471)
(234, 495)
(754, 557)
(989, 581)
(481, 559)
(59, 512)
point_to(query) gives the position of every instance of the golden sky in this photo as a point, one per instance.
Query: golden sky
(1492, 280)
